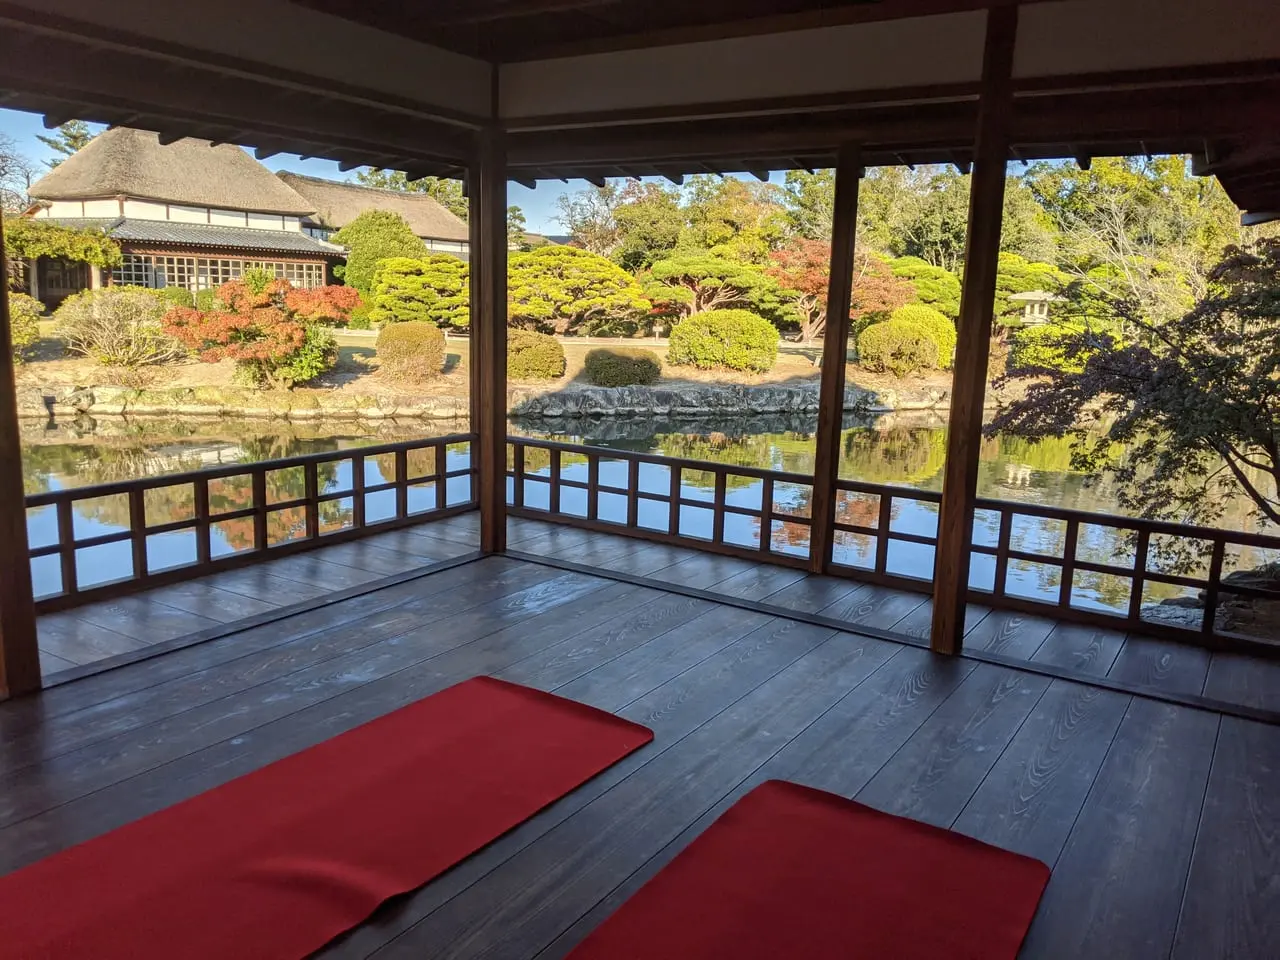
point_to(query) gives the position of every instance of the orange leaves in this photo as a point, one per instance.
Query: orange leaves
(258, 328)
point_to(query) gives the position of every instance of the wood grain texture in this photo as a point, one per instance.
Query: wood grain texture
(1251, 681)
(1013, 634)
(936, 772)
(1162, 664)
(1092, 650)
(1232, 899)
(1118, 885)
(1029, 800)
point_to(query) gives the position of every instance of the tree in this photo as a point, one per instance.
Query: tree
(431, 288)
(589, 218)
(447, 193)
(27, 238)
(649, 222)
(17, 171)
(1192, 403)
(69, 138)
(732, 218)
(1015, 274)
(516, 226)
(565, 290)
(810, 199)
(803, 269)
(690, 282)
(330, 305)
(374, 235)
(934, 286)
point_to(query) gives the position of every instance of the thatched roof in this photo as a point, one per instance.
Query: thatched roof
(133, 163)
(336, 204)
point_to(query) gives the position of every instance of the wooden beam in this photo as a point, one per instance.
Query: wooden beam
(835, 345)
(19, 652)
(488, 225)
(977, 303)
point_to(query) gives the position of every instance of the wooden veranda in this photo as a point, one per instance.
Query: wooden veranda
(755, 620)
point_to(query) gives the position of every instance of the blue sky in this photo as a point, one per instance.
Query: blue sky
(539, 205)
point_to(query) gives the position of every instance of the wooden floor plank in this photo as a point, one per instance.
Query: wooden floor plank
(919, 622)
(539, 893)
(69, 776)
(374, 558)
(702, 571)
(101, 705)
(874, 606)
(761, 581)
(1232, 902)
(1163, 664)
(1118, 885)
(311, 568)
(1012, 634)
(1250, 681)
(644, 559)
(259, 583)
(206, 600)
(938, 769)
(813, 593)
(1034, 792)
(143, 619)
(67, 637)
(1091, 650)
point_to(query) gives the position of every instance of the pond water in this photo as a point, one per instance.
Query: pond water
(894, 449)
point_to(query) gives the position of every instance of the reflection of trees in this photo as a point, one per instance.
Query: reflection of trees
(896, 455)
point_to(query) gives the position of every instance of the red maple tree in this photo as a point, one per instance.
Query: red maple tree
(803, 268)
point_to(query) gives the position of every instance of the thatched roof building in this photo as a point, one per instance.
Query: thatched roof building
(336, 204)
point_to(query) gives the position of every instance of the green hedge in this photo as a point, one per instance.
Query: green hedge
(1041, 346)
(24, 323)
(938, 327)
(733, 339)
(534, 356)
(622, 366)
(412, 351)
(897, 347)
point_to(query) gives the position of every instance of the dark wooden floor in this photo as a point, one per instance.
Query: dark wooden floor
(99, 632)
(1128, 658)
(1160, 821)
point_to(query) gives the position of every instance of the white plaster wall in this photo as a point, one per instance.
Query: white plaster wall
(145, 210)
(295, 38)
(181, 214)
(265, 221)
(865, 56)
(102, 208)
(227, 218)
(1088, 36)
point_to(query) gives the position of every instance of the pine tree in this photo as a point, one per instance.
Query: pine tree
(69, 138)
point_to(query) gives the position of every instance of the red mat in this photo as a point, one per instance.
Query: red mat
(276, 863)
(789, 871)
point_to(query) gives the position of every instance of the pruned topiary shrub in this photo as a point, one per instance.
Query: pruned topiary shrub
(24, 323)
(897, 347)
(412, 351)
(732, 339)
(534, 356)
(118, 326)
(177, 296)
(939, 328)
(622, 366)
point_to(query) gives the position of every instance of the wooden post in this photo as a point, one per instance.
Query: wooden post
(488, 224)
(835, 345)
(969, 382)
(19, 652)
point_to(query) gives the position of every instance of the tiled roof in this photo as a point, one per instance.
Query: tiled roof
(206, 235)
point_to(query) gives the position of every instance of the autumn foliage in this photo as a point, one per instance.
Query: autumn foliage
(803, 269)
(260, 331)
(330, 305)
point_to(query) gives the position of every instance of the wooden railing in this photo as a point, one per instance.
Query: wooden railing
(1100, 569)
(93, 542)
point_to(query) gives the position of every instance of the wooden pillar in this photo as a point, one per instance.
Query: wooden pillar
(977, 302)
(488, 226)
(19, 653)
(835, 344)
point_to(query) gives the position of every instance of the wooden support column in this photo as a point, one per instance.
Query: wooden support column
(835, 344)
(488, 226)
(977, 302)
(19, 653)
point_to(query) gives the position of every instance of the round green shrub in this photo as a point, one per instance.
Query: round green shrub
(24, 323)
(1042, 346)
(733, 339)
(176, 296)
(534, 356)
(359, 319)
(205, 300)
(412, 351)
(318, 353)
(939, 328)
(897, 347)
(622, 366)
